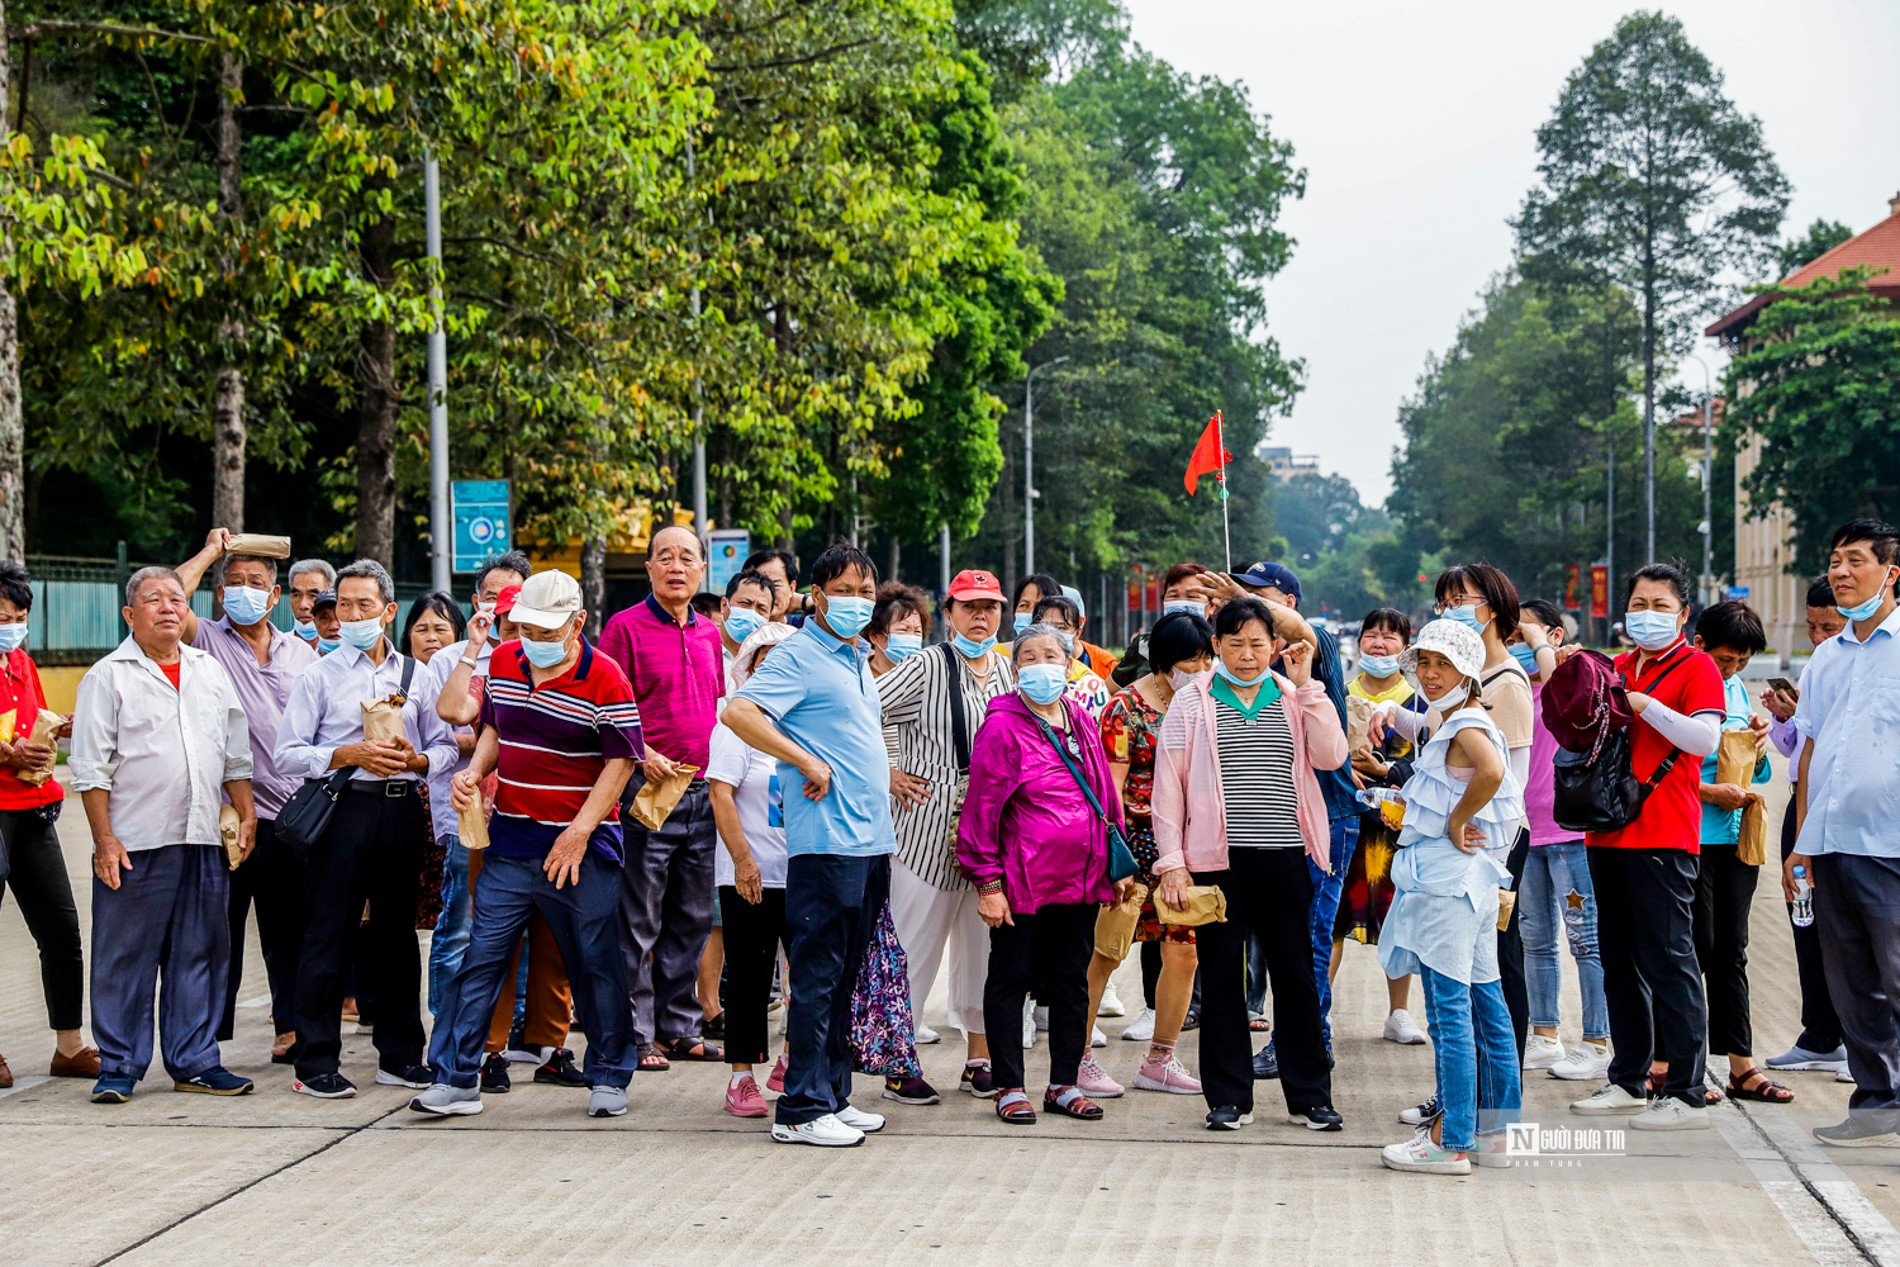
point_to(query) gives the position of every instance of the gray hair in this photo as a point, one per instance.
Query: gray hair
(319, 566)
(269, 565)
(375, 572)
(154, 573)
(1041, 631)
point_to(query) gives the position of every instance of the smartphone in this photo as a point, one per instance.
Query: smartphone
(1783, 684)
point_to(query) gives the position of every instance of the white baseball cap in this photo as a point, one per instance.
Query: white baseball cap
(547, 600)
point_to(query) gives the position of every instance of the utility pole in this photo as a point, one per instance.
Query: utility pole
(441, 529)
(1609, 546)
(943, 561)
(700, 526)
(1029, 465)
(1708, 481)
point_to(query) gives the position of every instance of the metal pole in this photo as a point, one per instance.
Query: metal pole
(700, 525)
(943, 560)
(441, 529)
(1708, 480)
(1609, 548)
(1029, 465)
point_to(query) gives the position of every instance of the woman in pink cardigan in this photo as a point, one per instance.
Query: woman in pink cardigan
(1237, 805)
(1035, 848)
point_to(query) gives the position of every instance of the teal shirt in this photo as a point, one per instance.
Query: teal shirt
(1724, 826)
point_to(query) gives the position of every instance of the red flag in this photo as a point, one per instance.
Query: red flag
(1209, 457)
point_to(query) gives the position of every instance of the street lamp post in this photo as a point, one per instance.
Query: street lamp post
(1708, 481)
(441, 529)
(1029, 465)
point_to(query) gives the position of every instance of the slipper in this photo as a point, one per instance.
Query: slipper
(695, 1049)
(1768, 1091)
(652, 1059)
(1259, 1025)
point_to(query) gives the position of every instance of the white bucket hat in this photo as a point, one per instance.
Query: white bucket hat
(746, 658)
(1458, 643)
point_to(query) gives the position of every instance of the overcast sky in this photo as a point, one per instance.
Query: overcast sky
(1415, 125)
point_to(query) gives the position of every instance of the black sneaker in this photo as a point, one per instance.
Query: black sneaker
(910, 1091)
(1266, 1063)
(1422, 1114)
(415, 1077)
(1321, 1117)
(325, 1086)
(559, 1071)
(978, 1080)
(1227, 1117)
(495, 1080)
(1860, 1130)
(219, 1081)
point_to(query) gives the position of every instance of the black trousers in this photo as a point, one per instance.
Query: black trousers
(372, 852)
(1511, 978)
(753, 935)
(272, 877)
(1724, 893)
(1652, 984)
(1050, 950)
(1269, 891)
(1820, 1025)
(36, 873)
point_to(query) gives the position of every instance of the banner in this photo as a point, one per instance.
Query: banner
(1573, 586)
(1600, 592)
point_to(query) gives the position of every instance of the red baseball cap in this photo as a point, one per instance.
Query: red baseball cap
(505, 601)
(973, 583)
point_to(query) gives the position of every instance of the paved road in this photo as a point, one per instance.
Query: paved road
(276, 1177)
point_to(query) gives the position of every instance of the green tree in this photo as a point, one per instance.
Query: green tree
(1820, 388)
(1822, 236)
(1652, 181)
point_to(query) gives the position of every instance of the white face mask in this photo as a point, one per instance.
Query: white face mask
(1453, 699)
(1179, 678)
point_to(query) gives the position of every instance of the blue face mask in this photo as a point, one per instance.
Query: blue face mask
(326, 645)
(1221, 669)
(742, 623)
(847, 615)
(1525, 656)
(900, 645)
(1042, 683)
(362, 634)
(544, 655)
(970, 648)
(1380, 666)
(244, 605)
(1872, 605)
(1182, 605)
(1467, 616)
(1022, 621)
(1652, 631)
(12, 637)
(305, 629)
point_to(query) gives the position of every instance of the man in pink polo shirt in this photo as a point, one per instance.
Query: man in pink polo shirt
(672, 657)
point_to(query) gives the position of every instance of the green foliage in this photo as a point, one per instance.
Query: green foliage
(1819, 387)
(1822, 236)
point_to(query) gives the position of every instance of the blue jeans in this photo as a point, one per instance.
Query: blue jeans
(450, 939)
(1326, 891)
(1557, 888)
(1474, 1049)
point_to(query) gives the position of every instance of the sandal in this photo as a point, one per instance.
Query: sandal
(694, 1049)
(1767, 1091)
(1259, 1025)
(1013, 1107)
(1070, 1102)
(652, 1059)
(715, 1026)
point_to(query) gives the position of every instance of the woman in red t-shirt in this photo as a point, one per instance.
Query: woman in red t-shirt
(35, 870)
(1645, 873)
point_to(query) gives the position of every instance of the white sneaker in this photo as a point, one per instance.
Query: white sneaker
(1541, 1052)
(1843, 1076)
(858, 1120)
(1586, 1062)
(1097, 1038)
(1670, 1114)
(826, 1132)
(1607, 1100)
(1041, 1015)
(1142, 1028)
(1400, 1028)
(1419, 1156)
(926, 1036)
(1029, 1025)
(1111, 1002)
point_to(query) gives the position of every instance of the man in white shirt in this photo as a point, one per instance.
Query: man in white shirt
(372, 850)
(158, 733)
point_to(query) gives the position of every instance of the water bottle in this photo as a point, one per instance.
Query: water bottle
(1803, 898)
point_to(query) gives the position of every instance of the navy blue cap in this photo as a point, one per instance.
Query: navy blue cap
(1265, 575)
(325, 599)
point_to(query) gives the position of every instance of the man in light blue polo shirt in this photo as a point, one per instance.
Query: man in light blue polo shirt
(813, 705)
(1848, 802)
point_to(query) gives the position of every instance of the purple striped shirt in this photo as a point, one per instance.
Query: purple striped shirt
(678, 676)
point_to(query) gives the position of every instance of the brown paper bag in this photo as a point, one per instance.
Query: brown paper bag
(1358, 714)
(1115, 926)
(45, 730)
(1507, 902)
(258, 545)
(382, 719)
(655, 801)
(1735, 760)
(1206, 905)
(471, 824)
(228, 832)
(1751, 848)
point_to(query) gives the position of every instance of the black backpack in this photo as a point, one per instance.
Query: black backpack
(1598, 791)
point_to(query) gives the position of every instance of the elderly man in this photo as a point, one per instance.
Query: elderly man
(372, 850)
(158, 732)
(308, 578)
(262, 662)
(671, 655)
(560, 728)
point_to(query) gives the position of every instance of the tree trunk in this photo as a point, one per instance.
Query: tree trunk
(12, 419)
(376, 410)
(227, 427)
(594, 582)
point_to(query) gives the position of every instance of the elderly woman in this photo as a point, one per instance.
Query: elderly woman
(1033, 842)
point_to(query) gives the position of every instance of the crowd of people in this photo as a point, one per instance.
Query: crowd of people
(785, 800)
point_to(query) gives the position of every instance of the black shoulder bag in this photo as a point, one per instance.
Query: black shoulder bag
(1121, 859)
(306, 815)
(1598, 791)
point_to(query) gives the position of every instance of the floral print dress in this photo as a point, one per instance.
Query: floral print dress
(1130, 725)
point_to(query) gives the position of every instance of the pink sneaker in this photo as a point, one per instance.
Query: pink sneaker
(776, 1083)
(1166, 1075)
(1094, 1081)
(743, 1099)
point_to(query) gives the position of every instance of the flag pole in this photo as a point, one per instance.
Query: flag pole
(1227, 532)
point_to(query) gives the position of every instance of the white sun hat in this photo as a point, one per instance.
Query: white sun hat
(746, 658)
(1456, 642)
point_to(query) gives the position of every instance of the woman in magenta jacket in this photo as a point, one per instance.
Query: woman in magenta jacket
(1036, 851)
(1237, 805)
